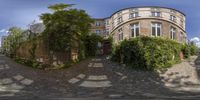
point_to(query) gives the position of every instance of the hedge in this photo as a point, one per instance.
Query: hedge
(147, 53)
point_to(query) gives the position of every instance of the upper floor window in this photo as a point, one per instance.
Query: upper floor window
(134, 14)
(156, 29)
(97, 23)
(107, 22)
(173, 33)
(119, 20)
(173, 18)
(120, 34)
(98, 32)
(155, 14)
(135, 30)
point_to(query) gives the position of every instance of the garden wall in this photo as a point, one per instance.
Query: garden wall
(42, 54)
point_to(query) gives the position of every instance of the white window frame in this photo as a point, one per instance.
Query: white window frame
(120, 34)
(156, 25)
(172, 33)
(98, 32)
(97, 23)
(156, 14)
(134, 26)
(173, 18)
(134, 15)
(119, 20)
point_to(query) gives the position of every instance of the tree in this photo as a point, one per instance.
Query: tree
(65, 27)
(14, 39)
(59, 7)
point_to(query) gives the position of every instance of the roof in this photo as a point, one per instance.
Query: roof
(141, 7)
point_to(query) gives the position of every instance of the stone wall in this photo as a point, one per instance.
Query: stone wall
(145, 29)
(42, 54)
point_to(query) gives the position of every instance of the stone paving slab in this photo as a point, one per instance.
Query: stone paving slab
(92, 84)
(26, 81)
(81, 76)
(96, 78)
(73, 80)
(18, 77)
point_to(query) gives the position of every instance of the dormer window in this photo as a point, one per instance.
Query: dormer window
(173, 18)
(134, 15)
(119, 20)
(155, 14)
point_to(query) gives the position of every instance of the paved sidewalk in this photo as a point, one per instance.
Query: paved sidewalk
(96, 79)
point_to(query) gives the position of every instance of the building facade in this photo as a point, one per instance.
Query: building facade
(150, 21)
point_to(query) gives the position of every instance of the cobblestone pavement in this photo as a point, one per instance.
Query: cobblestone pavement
(98, 79)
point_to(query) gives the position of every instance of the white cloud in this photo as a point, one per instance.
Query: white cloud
(195, 39)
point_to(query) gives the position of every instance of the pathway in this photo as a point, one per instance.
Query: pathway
(97, 79)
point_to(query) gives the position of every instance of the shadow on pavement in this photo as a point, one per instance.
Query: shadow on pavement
(98, 78)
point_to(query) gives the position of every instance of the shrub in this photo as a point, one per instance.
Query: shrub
(186, 51)
(147, 53)
(194, 50)
(31, 63)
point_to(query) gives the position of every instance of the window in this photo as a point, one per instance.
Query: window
(155, 14)
(107, 22)
(181, 37)
(135, 30)
(119, 20)
(120, 34)
(173, 33)
(107, 31)
(134, 14)
(182, 23)
(98, 32)
(173, 18)
(98, 23)
(156, 29)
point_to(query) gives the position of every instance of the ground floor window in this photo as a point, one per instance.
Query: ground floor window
(135, 29)
(156, 29)
(173, 33)
(120, 34)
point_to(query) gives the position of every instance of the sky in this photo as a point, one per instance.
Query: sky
(22, 12)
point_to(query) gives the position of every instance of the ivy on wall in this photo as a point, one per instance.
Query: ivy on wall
(147, 53)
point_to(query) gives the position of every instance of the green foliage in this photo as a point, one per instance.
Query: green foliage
(91, 44)
(59, 7)
(186, 51)
(147, 53)
(194, 50)
(31, 63)
(64, 28)
(13, 40)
